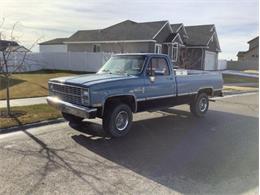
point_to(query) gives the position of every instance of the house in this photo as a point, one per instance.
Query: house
(252, 53)
(5, 43)
(247, 60)
(191, 47)
(12, 46)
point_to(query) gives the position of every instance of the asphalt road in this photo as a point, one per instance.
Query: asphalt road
(166, 152)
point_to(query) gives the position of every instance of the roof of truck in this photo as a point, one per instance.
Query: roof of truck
(141, 54)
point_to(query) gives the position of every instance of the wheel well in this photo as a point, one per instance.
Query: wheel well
(127, 99)
(208, 91)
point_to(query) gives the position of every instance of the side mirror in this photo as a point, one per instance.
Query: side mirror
(152, 79)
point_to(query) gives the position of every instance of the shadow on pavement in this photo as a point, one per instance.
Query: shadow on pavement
(215, 154)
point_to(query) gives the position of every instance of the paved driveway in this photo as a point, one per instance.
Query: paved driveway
(167, 152)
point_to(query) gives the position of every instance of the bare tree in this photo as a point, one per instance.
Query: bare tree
(8, 50)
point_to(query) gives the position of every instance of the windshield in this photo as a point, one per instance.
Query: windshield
(130, 65)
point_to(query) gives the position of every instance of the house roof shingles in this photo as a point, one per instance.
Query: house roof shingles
(53, 41)
(171, 37)
(5, 43)
(126, 30)
(254, 39)
(176, 27)
(199, 35)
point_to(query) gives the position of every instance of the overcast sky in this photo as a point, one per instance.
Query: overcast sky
(236, 20)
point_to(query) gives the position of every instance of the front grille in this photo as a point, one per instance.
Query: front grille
(67, 93)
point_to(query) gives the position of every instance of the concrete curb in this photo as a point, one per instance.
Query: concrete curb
(235, 95)
(31, 125)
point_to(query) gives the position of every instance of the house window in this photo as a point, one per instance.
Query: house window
(158, 48)
(175, 52)
(96, 48)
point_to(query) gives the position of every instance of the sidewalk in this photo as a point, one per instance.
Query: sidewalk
(242, 84)
(24, 102)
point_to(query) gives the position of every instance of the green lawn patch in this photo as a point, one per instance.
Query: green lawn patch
(238, 79)
(30, 114)
(32, 84)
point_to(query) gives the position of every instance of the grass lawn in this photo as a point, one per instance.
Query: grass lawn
(33, 113)
(32, 84)
(238, 79)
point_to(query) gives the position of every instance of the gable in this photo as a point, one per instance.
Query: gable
(163, 33)
(213, 43)
(176, 27)
(199, 35)
(174, 37)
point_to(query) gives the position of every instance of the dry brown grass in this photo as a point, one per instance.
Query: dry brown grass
(238, 79)
(35, 84)
(33, 113)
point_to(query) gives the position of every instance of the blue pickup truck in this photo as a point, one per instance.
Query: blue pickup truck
(130, 83)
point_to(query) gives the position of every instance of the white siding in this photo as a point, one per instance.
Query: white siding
(53, 48)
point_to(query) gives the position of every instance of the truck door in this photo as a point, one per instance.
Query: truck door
(159, 80)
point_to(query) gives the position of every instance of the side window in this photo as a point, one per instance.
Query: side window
(157, 67)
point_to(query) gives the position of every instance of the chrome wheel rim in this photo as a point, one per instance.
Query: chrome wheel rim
(203, 104)
(121, 120)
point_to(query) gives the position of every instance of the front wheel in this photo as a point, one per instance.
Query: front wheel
(117, 120)
(200, 105)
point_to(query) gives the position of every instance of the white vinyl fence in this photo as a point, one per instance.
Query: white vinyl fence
(74, 61)
(222, 64)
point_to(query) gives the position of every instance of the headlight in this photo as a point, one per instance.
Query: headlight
(50, 89)
(85, 92)
(85, 97)
(50, 86)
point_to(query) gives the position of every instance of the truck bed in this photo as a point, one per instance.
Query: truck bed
(190, 81)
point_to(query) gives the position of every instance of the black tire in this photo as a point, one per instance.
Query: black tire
(112, 115)
(200, 105)
(71, 118)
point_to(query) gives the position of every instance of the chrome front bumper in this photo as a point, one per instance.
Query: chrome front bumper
(80, 111)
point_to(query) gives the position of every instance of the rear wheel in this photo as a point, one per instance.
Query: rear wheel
(117, 119)
(200, 105)
(71, 118)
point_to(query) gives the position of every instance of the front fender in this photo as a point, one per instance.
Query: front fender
(119, 96)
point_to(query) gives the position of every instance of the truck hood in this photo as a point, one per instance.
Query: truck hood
(91, 79)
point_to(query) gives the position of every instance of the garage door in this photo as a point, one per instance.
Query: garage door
(210, 60)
